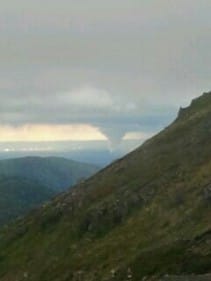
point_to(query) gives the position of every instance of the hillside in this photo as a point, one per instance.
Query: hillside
(54, 172)
(19, 195)
(27, 182)
(145, 217)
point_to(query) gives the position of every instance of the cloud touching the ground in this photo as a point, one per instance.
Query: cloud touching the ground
(120, 66)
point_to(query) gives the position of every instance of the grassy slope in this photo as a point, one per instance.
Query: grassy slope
(147, 214)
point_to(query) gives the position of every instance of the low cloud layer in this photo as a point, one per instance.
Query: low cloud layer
(118, 66)
(113, 116)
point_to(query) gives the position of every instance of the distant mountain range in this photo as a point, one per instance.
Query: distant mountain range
(19, 195)
(55, 173)
(145, 217)
(27, 182)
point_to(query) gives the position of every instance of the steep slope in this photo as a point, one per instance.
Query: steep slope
(54, 172)
(145, 215)
(19, 195)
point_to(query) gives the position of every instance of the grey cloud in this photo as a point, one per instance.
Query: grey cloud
(135, 61)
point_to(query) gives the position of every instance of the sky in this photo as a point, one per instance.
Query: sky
(99, 69)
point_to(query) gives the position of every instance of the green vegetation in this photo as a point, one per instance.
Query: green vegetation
(145, 217)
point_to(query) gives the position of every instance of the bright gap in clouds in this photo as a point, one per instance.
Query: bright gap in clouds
(137, 136)
(82, 142)
(46, 132)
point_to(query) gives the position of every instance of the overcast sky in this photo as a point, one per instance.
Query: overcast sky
(99, 69)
